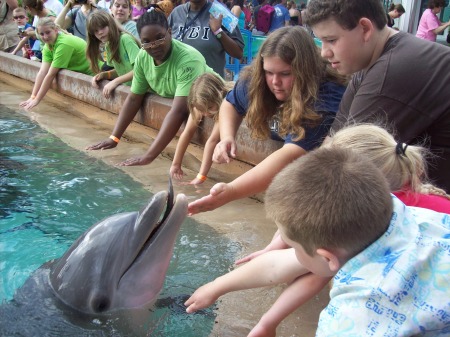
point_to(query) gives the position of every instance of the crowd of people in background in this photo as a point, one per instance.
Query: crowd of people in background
(353, 177)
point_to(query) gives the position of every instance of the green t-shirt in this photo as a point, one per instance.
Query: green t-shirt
(69, 52)
(128, 51)
(172, 78)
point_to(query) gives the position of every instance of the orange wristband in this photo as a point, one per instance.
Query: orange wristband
(201, 177)
(114, 138)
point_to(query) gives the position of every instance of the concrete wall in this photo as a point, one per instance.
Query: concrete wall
(152, 113)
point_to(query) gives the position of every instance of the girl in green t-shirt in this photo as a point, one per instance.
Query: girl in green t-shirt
(121, 51)
(61, 51)
(165, 67)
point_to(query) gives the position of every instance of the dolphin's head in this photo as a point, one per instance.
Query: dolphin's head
(121, 262)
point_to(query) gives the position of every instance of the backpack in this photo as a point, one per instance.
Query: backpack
(264, 18)
(72, 28)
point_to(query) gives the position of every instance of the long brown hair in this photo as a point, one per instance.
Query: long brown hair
(98, 20)
(295, 47)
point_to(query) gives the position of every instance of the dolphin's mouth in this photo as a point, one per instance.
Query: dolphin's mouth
(157, 227)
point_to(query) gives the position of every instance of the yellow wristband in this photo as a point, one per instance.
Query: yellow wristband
(114, 138)
(201, 177)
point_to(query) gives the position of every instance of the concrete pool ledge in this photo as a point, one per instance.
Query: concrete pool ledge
(155, 108)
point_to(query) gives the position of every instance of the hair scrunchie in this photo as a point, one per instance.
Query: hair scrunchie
(400, 149)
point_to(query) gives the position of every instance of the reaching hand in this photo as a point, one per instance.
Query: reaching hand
(29, 103)
(225, 149)
(103, 145)
(176, 172)
(202, 298)
(220, 194)
(136, 161)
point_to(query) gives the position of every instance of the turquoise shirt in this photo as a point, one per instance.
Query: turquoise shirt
(399, 285)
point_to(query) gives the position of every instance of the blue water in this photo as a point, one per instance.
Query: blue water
(50, 194)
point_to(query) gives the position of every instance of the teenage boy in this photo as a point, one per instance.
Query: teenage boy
(398, 78)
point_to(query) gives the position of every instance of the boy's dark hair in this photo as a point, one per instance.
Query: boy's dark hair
(155, 16)
(330, 198)
(347, 13)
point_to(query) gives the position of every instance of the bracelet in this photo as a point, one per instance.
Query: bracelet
(32, 96)
(114, 138)
(218, 33)
(201, 177)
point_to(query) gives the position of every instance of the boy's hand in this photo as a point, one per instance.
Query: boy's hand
(202, 298)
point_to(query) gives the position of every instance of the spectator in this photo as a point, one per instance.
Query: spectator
(238, 10)
(105, 5)
(294, 13)
(280, 17)
(121, 51)
(121, 11)
(290, 94)
(26, 43)
(37, 9)
(137, 10)
(192, 24)
(430, 25)
(74, 17)
(61, 51)
(8, 28)
(160, 57)
(384, 86)
(395, 11)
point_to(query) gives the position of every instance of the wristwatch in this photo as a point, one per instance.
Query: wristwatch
(218, 33)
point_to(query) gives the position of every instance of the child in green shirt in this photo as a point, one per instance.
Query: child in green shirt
(121, 51)
(61, 51)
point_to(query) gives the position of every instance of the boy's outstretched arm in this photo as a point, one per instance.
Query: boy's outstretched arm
(296, 294)
(274, 267)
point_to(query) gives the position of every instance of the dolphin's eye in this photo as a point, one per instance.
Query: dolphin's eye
(100, 303)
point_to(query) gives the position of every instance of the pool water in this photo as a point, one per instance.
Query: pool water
(50, 194)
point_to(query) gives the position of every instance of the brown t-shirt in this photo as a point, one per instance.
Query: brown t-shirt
(406, 90)
(9, 36)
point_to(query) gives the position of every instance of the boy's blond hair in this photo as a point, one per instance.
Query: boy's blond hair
(18, 10)
(404, 166)
(331, 198)
(207, 91)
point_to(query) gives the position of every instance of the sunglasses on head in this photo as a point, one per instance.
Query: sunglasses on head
(20, 17)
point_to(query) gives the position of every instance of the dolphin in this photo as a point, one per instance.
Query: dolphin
(120, 262)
